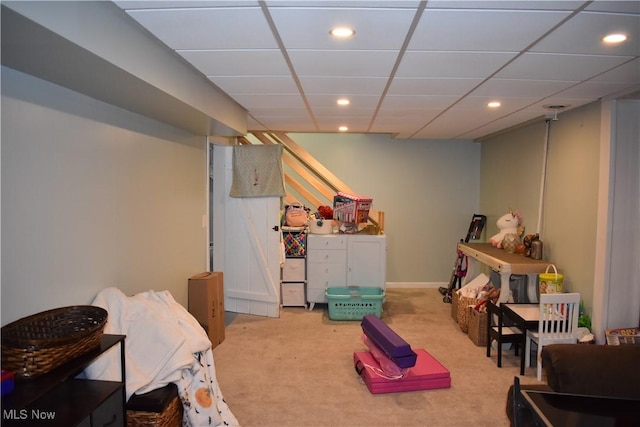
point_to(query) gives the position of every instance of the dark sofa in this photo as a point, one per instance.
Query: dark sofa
(595, 370)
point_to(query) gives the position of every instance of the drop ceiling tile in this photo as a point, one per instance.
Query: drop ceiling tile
(237, 62)
(568, 102)
(262, 85)
(625, 6)
(451, 64)
(208, 28)
(417, 103)
(349, 63)
(361, 85)
(628, 72)
(449, 124)
(270, 101)
(478, 105)
(562, 67)
(502, 88)
(431, 86)
(181, 4)
(357, 101)
(592, 90)
(583, 34)
(508, 5)
(280, 111)
(355, 124)
(345, 3)
(503, 123)
(482, 30)
(308, 27)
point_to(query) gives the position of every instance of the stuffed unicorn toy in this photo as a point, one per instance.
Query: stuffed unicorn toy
(507, 224)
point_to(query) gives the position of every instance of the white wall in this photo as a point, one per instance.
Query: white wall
(428, 190)
(93, 196)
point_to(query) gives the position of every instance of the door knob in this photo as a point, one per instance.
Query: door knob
(275, 228)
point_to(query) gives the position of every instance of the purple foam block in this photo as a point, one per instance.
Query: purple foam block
(384, 337)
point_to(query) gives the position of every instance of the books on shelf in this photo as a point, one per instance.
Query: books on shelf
(623, 336)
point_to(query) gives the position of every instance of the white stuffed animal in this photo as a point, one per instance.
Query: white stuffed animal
(507, 224)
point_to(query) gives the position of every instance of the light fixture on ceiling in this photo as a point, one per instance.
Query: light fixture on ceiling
(342, 32)
(614, 38)
(343, 101)
(494, 104)
(555, 109)
(343, 128)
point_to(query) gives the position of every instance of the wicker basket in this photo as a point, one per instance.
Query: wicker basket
(37, 344)
(170, 417)
(463, 313)
(455, 298)
(477, 327)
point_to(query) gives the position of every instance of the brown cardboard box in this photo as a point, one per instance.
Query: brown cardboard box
(206, 303)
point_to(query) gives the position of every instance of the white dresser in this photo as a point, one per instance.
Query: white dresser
(335, 260)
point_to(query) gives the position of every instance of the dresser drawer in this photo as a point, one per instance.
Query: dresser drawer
(327, 256)
(327, 275)
(318, 241)
(294, 270)
(293, 294)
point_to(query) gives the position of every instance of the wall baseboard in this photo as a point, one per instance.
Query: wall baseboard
(415, 285)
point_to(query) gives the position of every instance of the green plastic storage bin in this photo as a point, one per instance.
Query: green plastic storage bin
(354, 302)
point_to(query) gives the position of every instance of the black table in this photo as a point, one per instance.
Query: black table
(571, 410)
(526, 317)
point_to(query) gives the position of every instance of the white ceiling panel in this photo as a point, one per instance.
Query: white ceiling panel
(345, 3)
(414, 69)
(583, 34)
(592, 90)
(449, 65)
(482, 30)
(208, 28)
(620, 6)
(344, 85)
(308, 28)
(270, 101)
(504, 5)
(406, 104)
(432, 86)
(543, 66)
(237, 62)
(181, 4)
(357, 102)
(341, 63)
(508, 88)
(625, 73)
(252, 84)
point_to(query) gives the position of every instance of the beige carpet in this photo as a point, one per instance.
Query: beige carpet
(298, 370)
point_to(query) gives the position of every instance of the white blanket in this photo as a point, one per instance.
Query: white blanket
(164, 344)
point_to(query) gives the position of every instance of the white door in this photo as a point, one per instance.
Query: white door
(246, 247)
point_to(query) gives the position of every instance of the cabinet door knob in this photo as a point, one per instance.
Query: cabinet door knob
(275, 228)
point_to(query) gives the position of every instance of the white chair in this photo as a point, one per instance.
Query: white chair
(558, 324)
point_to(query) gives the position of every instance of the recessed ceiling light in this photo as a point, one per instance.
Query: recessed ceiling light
(614, 38)
(494, 104)
(343, 101)
(342, 32)
(343, 128)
